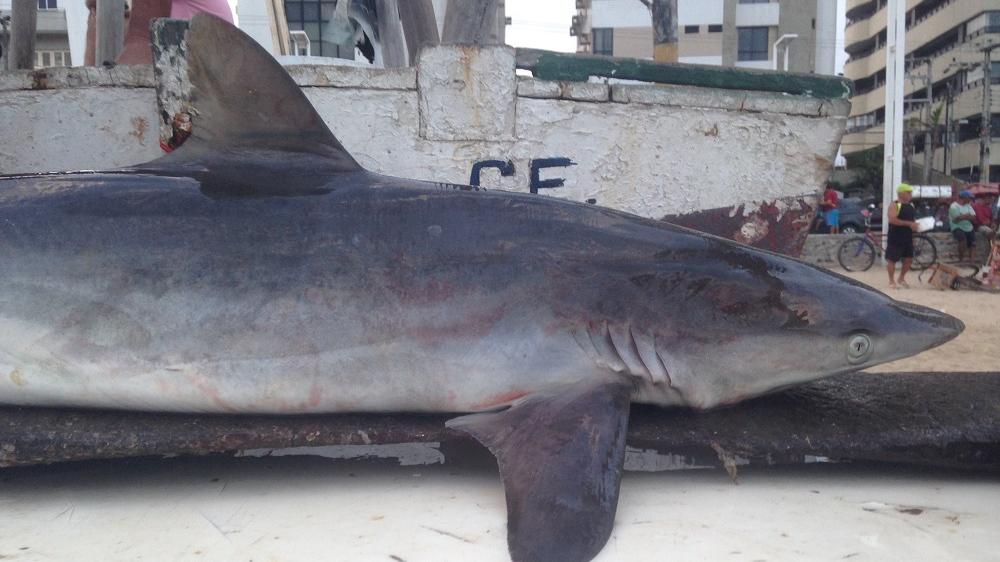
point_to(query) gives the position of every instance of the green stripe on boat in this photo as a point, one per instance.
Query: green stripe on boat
(548, 65)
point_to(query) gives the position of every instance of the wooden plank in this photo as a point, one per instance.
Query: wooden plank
(4, 41)
(419, 26)
(110, 31)
(548, 65)
(470, 22)
(390, 31)
(23, 21)
(932, 419)
(278, 24)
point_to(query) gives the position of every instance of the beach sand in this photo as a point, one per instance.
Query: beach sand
(977, 349)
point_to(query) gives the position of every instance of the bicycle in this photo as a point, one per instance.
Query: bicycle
(858, 253)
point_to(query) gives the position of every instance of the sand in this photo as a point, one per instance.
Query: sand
(977, 349)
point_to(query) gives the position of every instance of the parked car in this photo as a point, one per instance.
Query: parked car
(854, 209)
(852, 217)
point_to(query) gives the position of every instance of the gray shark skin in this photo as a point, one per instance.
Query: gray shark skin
(259, 269)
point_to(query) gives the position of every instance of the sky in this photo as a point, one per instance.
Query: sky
(544, 24)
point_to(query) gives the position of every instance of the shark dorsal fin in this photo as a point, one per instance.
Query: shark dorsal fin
(247, 112)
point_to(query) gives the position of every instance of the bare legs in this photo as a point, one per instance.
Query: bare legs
(891, 268)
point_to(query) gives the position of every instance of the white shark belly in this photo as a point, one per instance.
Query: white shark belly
(466, 376)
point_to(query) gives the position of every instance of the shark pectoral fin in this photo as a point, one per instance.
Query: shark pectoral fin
(561, 455)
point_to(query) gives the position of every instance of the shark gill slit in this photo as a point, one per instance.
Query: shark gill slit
(605, 348)
(624, 343)
(646, 348)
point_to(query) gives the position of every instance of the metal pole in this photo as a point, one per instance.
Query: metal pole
(110, 30)
(774, 49)
(894, 74)
(986, 131)
(23, 21)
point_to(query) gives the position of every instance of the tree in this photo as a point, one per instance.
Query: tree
(664, 15)
(867, 168)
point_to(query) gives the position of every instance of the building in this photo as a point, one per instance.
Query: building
(51, 36)
(945, 44)
(742, 33)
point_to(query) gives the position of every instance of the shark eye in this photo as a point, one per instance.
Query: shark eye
(859, 348)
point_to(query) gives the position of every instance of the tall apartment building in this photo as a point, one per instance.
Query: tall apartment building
(743, 33)
(945, 42)
(51, 35)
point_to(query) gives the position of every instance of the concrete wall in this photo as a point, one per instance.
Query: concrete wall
(648, 149)
(798, 16)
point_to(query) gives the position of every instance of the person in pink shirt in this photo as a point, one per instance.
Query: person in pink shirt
(186, 9)
(136, 49)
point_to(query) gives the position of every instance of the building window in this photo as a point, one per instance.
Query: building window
(752, 44)
(993, 22)
(48, 5)
(312, 16)
(715, 28)
(47, 59)
(604, 41)
(692, 29)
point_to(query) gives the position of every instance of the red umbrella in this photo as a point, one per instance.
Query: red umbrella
(984, 189)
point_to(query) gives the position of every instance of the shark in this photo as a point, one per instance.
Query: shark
(258, 268)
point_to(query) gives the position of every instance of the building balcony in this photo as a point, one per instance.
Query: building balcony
(864, 30)
(857, 5)
(51, 21)
(758, 15)
(965, 155)
(933, 26)
(944, 64)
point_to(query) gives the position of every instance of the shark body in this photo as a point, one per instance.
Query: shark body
(260, 269)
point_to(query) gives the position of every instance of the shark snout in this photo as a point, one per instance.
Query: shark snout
(926, 327)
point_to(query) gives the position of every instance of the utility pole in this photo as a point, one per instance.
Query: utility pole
(948, 137)
(23, 21)
(986, 129)
(894, 76)
(928, 123)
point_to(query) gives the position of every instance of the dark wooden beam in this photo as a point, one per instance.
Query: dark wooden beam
(390, 31)
(419, 26)
(932, 419)
(110, 31)
(23, 21)
(470, 22)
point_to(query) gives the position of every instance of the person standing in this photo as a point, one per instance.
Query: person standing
(960, 215)
(831, 210)
(899, 245)
(983, 207)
